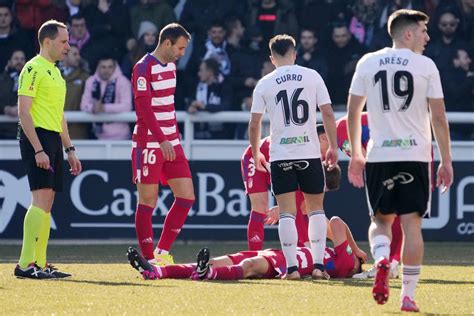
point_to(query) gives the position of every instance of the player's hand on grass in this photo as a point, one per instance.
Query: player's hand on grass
(42, 160)
(168, 151)
(74, 163)
(361, 254)
(331, 158)
(273, 215)
(445, 176)
(356, 169)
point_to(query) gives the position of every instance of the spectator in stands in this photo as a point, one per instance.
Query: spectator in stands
(78, 33)
(241, 130)
(8, 93)
(215, 47)
(147, 40)
(342, 55)
(257, 47)
(74, 7)
(108, 22)
(309, 55)
(212, 96)
(242, 77)
(11, 38)
(444, 45)
(75, 72)
(381, 37)
(235, 32)
(394, 5)
(362, 24)
(108, 91)
(273, 17)
(467, 16)
(458, 87)
(159, 12)
(31, 14)
(318, 15)
(197, 16)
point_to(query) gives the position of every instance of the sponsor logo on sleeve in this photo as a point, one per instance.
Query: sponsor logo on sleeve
(141, 84)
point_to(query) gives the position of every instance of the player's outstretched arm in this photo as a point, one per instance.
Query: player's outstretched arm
(341, 232)
(357, 161)
(441, 133)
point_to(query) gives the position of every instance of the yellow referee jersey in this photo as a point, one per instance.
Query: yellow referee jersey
(42, 80)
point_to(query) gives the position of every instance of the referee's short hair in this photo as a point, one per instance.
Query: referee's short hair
(400, 19)
(49, 29)
(281, 44)
(172, 32)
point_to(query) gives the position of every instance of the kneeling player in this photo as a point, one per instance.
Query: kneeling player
(257, 184)
(397, 235)
(340, 261)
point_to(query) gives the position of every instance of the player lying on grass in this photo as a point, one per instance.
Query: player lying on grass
(342, 261)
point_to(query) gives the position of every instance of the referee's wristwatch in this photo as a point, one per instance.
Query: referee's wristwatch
(67, 150)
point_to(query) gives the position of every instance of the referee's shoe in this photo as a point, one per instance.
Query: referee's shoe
(32, 272)
(54, 272)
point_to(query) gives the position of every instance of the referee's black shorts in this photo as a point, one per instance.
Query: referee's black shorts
(41, 178)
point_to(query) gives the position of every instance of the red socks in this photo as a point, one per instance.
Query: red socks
(178, 271)
(255, 231)
(227, 273)
(301, 223)
(397, 238)
(184, 271)
(144, 230)
(174, 221)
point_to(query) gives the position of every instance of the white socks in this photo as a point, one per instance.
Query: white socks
(380, 246)
(410, 277)
(317, 232)
(288, 238)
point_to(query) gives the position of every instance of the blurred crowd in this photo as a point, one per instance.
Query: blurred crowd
(228, 53)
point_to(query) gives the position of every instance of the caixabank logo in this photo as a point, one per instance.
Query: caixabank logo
(100, 202)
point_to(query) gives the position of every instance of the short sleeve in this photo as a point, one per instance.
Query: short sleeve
(29, 80)
(435, 90)
(258, 101)
(358, 83)
(322, 94)
(141, 82)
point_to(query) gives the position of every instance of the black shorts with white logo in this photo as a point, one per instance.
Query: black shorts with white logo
(40, 178)
(291, 175)
(400, 187)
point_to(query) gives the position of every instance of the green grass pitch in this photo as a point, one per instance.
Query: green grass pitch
(104, 284)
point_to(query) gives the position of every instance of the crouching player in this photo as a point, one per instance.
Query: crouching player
(342, 261)
(257, 184)
(397, 235)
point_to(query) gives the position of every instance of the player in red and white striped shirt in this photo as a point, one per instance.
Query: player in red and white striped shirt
(157, 154)
(342, 261)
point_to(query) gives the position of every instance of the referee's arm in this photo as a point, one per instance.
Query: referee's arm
(65, 139)
(26, 121)
(74, 162)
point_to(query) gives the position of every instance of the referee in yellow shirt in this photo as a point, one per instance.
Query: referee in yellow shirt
(41, 95)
